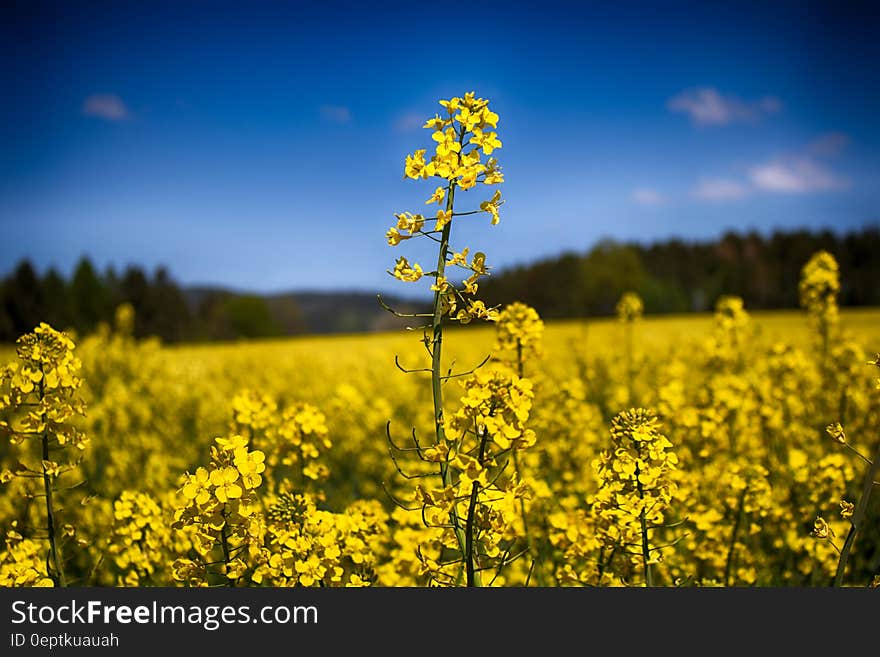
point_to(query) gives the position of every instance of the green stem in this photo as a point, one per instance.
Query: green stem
(469, 536)
(470, 561)
(858, 517)
(54, 552)
(646, 551)
(606, 563)
(436, 365)
(224, 544)
(736, 525)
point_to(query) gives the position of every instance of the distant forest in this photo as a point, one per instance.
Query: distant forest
(671, 276)
(177, 314)
(676, 276)
(161, 305)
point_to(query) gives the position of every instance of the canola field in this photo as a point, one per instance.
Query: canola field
(269, 463)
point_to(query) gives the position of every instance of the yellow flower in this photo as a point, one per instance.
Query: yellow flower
(488, 141)
(491, 206)
(821, 529)
(443, 218)
(415, 165)
(231, 443)
(393, 236)
(437, 196)
(835, 430)
(489, 117)
(440, 284)
(630, 307)
(226, 485)
(406, 272)
(196, 487)
(250, 465)
(459, 259)
(436, 123)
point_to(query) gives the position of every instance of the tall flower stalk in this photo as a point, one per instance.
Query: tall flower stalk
(818, 289)
(465, 139)
(635, 487)
(519, 330)
(41, 393)
(629, 310)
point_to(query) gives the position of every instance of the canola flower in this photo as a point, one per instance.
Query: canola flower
(818, 289)
(518, 332)
(219, 504)
(39, 393)
(635, 486)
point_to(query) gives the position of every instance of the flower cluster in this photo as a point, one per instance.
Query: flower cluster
(294, 438)
(819, 287)
(39, 400)
(495, 406)
(44, 386)
(140, 537)
(477, 512)
(23, 562)
(307, 546)
(220, 504)
(463, 136)
(519, 330)
(730, 314)
(635, 486)
(629, 307)
(299, 441)
(252, 412)
(732, 329)
(465, 139)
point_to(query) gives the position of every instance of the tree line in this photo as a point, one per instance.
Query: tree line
(162, 308)
(674, 276)
(671, 276)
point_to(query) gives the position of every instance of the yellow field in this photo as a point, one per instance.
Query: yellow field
(747, 490)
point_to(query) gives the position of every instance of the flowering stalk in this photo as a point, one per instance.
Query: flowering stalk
(57, 572)
(42, 390)
(219, 504)
(468, 123)
(635, 485)
(629, 310)
(818, 289)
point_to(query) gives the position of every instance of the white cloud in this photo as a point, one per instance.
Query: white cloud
(795, 176)
(719, 189)
(646, 196)
(109, 107)
(706, 106)
(336, 113)
(409, 121)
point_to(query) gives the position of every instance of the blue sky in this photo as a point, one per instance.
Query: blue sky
(261, 145)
